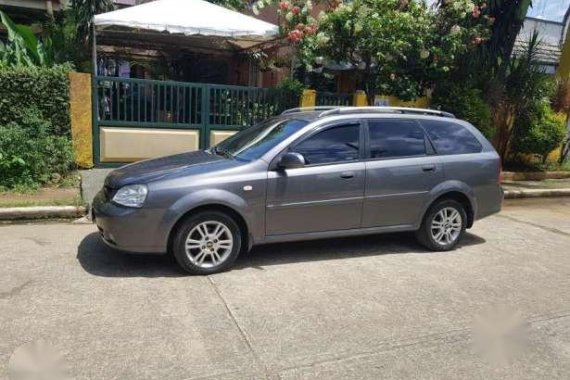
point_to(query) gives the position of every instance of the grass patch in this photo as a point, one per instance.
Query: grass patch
(71, 201)
(65, 192)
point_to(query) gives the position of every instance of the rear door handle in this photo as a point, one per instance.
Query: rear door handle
(347, 175)
(428, 168)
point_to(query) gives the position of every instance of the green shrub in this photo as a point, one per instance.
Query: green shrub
(46, 89)
(30, 153)
(292, 86)
(466, 103)
(540, 133)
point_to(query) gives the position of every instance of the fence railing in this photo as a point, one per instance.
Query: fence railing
(243, 106)
(128, 101)
(333, 99)
(124, 101)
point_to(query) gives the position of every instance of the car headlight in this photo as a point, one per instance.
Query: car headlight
(131, 195)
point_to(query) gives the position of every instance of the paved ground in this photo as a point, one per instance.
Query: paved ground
(362, 308)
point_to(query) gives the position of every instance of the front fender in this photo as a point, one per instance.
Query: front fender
(202, 198)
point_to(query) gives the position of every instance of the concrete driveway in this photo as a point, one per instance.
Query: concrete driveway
(360, 308)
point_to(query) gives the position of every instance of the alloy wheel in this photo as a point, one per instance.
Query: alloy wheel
(209, 244)
(446, 226)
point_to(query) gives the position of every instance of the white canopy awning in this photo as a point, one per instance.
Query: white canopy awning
(190, 18)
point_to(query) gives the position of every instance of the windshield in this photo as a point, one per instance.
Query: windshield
(254, 142)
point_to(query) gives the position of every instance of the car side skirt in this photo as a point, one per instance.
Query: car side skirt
(336, 234)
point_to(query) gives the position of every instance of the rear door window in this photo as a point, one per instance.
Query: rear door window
(451, 138)
(392, 138)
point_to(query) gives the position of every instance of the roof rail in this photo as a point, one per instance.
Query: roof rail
(308, 109)
(404, 110)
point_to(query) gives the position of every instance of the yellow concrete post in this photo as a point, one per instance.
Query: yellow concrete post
(392, 101)
(359, 99)
(309, 98)
(81, 115)
(422, 102)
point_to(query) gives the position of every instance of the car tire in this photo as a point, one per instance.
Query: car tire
(206, 243)
(443, 225)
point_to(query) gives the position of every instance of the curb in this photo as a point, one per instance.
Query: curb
(534, 176)
(42, 212)
(536, 193)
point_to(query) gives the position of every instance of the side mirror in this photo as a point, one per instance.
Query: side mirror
(292, 160)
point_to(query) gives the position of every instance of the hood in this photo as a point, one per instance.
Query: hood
(158, 168)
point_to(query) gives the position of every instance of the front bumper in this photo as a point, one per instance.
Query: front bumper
(128, 229)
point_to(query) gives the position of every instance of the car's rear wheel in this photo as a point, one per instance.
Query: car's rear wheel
(443, 225)
(206, 243)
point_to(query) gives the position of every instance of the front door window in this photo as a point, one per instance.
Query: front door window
(337, 144)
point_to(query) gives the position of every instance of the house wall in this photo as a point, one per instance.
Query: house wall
(551, 36)
(48, 6)
(550, 32)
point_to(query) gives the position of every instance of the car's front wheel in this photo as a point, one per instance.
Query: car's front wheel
(443, 225)
(206, 243)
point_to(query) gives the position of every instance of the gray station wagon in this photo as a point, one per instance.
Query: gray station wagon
(306, 174)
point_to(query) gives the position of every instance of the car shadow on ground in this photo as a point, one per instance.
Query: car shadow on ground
(98, 259)
(339, 248)
(101, 260)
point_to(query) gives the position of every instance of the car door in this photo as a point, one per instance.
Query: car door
(401, 169)
(327, 193)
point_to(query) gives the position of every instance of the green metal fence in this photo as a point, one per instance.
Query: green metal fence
(122, 102)
(236, 106)
(140, 103)
(333, 99)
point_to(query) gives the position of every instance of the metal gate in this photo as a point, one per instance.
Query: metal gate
(139, 113)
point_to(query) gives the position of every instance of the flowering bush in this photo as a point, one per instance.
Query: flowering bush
(297, 22)
(398, 47)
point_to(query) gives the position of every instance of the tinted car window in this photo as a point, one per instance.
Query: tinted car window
(451, 138)
(253, 142)
(396, 138)
(335, 144)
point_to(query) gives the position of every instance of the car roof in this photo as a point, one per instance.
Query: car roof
(323, 111)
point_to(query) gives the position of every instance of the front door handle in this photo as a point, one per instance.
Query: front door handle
(428, 168)
(347, 175)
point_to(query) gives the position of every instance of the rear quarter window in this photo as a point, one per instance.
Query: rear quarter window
(451, 138)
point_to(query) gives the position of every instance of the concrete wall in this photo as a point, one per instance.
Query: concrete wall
(133, 144)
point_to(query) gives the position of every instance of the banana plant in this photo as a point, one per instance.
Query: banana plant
(23, 47)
